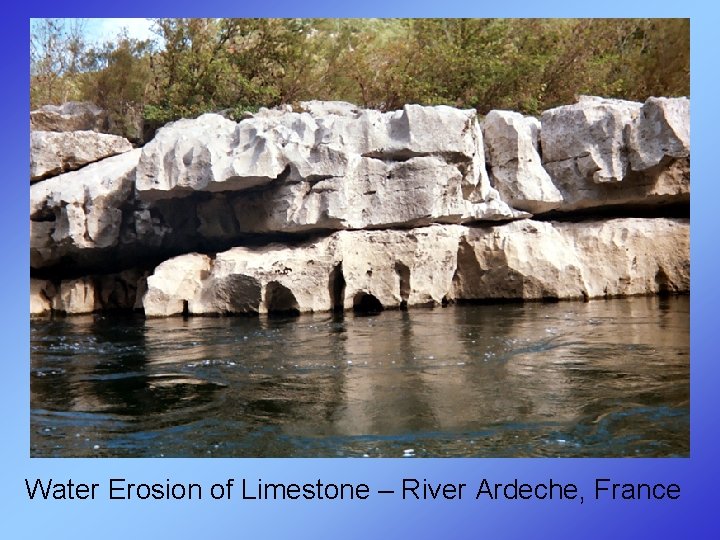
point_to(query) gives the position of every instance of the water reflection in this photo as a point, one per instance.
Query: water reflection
(597, 378)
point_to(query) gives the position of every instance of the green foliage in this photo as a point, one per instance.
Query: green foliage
(238, 65)
(57, 48)
(119, 75)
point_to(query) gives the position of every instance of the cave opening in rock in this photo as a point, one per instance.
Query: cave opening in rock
(366, 303)
(186, 309)
(662, 280)
(403, 273)
(280, 300)
(337, 289)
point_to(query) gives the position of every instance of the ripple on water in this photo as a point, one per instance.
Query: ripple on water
(607, 378)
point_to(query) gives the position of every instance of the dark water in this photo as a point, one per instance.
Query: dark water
(605, 378)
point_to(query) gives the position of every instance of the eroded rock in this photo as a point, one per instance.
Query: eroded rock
(75, 297)
(372, 194)
(522, 260)
(173, 283)
(661, 132)
(511, 148)
(374, 204)
(70, 116)
(327, 168)
(590, 150)
(80, 210)
(53, 153)
(545, 260)
(590, 134)
(119, 291)
(41, 294)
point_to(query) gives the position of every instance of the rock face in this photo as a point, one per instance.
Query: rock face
(80, 210)
(334, 207)
(41, 293)
(75, 297)
(511, 145)
(334, 167)
(597, 153)
(53, 153)
(71, 116)
(123, 290)
(523, 260)
(590, 135)
(660, 133)
(545, 260)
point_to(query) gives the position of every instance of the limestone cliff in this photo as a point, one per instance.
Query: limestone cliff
(333, 207)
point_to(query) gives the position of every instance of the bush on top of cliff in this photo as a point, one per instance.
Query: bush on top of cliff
(200, 65)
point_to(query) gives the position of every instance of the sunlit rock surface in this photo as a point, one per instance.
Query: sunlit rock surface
(70, 116)
(511, 146)
(53, 153)
(335, 207)
(373, 270)
(599, 153)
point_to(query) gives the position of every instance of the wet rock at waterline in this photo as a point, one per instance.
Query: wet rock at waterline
(334, 207)
(523, 260)
(561, 260)
(119, 291)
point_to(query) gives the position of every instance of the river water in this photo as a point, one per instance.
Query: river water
(603, 378)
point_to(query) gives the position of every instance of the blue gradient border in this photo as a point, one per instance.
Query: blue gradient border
(689, 517)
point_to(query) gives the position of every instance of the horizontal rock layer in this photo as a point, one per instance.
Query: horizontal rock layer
(122, 290)
(523, 260)
(209, 183)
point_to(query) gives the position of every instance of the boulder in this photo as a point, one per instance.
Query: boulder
(660, 133)
(276, 278)
(186, 156)
(511, 149)
(80, 210)
(590, 134)
(173, 283)
(70, 116)
(588, 150)
(53, 153)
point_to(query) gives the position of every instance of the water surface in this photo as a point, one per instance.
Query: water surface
(604, 378)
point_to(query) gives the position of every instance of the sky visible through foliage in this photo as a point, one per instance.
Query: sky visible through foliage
(163, 69)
